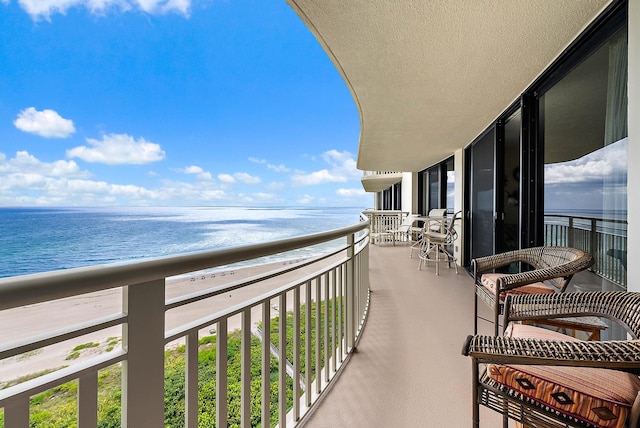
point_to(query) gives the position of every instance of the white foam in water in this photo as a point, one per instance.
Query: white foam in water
(46, 239)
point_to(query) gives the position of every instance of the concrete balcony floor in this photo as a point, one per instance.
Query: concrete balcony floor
(408, 370)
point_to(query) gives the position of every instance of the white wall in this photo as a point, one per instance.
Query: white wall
(633, 184)
(410, 192)
(458, 165)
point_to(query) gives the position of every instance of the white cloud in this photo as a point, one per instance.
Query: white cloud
(305, 199)
(350, 193)
(43, 9)
(196, 170)
(226, 178)
(259, 198)
(25, 163)
(45, 123)
(599, 165)
(239, 176)
(246, 178)
(276, 168)
(117, 149)
(317, 177)
(276, 185)
(193, 169)
(279, 168)
(343, 169)
(25, 180)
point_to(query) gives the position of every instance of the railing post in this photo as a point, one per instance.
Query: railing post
(16, 414)
(350, 298)
(245, 370)
(222, 379)
(88, 399)
(594, 242)
(266, 363)
(143, 370)
(191, 381)
(570, 233)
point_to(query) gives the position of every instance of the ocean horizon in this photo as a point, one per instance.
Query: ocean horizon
(43, 239)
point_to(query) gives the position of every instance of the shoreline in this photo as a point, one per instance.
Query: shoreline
(32, 320)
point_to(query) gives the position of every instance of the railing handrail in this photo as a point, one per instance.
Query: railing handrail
(40, 287)
(612, 220)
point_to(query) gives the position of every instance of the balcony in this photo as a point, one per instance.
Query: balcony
(400, 330)
(377, 181)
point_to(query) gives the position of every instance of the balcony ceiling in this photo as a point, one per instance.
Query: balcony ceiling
(380, 182)
(428, 76)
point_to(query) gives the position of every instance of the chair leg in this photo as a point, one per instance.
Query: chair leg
(496, 326)
(474, 394)
(475, 313)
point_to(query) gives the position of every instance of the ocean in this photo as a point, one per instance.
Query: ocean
(36, 240)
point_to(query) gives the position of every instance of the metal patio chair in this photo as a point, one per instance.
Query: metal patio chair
(436, 242)
(433, 222)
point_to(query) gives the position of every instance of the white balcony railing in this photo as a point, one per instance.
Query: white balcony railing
(373, 173)
(381, 221)
(336, 292)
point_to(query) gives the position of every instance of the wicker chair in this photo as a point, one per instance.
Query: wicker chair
(574, 390)
(555, 265)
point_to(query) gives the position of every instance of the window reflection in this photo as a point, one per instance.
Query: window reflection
(583, 123)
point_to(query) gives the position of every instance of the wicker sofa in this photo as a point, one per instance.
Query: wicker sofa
(551, 270)
(541, 378)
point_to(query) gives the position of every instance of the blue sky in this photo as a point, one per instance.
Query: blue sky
(171, 102)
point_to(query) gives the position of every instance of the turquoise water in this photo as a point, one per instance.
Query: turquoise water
(45, 239)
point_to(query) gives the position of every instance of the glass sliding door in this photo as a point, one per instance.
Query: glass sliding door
(583, 127)
(481, 156)
(509, 236)
(436, 187)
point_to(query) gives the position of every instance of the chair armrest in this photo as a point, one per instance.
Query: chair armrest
(533, 256)
(617, 355)
(487, 263)
(618, 306)
(516, 280)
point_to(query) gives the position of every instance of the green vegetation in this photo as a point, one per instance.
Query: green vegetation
(75, 352)
(29, 354)
(112, 342)
(57, 406)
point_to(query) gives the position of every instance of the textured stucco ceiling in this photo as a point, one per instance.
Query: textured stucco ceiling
(428, 76)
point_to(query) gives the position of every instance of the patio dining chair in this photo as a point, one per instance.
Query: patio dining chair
(433, 222)
(542, 378)
(551, 270)
(436, 242)
(405, 229)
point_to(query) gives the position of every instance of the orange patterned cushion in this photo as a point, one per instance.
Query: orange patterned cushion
(598, 396)
(489, 280)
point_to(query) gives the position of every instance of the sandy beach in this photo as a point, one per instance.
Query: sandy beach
(33, 320)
